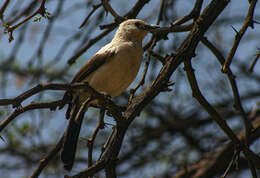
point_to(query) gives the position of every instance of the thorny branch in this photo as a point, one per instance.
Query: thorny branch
(142, 81)
(16, 102)
(95, 7)
(151, 45)
(47, 158)
(41, 10)
(194, 14)
(248, 23)
(91, 140)
(210, 164)
(108, 8)
(231, 77)
(196, 93)
(108, 159)
(19, 110)
(200, 98)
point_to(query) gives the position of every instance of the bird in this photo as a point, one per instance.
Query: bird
(111, 70)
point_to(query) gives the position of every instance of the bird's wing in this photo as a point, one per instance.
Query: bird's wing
(92, 65)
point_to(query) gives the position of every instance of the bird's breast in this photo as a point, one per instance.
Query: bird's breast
(118, 72)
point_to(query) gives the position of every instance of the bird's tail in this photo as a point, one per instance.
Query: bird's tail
(71, 137)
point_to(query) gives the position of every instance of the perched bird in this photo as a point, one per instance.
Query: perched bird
(110, 71)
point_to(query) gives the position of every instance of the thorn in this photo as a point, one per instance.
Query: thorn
(256, 22)
(166, 88)
(11, 38)
(224, 68)
(2, 138)
(234, 29)
(170, 83)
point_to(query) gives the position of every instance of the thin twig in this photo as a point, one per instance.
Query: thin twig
(16, 101)
(83, 109)
(41, 10)
(108, 8)
(160, 15)
(248, 22)
(157, 56)
(32, 106)
(100, 125)
(47, 158)
(161, 33)
(2, 10)
(254, 62)
(206, 105)
(104, 147)
(142, 81)
(94, 8)
(231, 163)
(25, 12)
(99, 165)
(194, 14)
(237, 101)
(88, 45)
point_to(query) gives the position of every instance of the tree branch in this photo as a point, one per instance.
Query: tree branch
(248, 22)
(41, 10)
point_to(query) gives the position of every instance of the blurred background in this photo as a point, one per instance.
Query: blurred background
(172, 134)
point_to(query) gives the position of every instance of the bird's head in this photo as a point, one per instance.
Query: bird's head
(134, 29)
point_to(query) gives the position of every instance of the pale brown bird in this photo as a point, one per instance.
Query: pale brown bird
(110, 71)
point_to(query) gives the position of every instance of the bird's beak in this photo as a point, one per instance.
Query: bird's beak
(149, 28)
